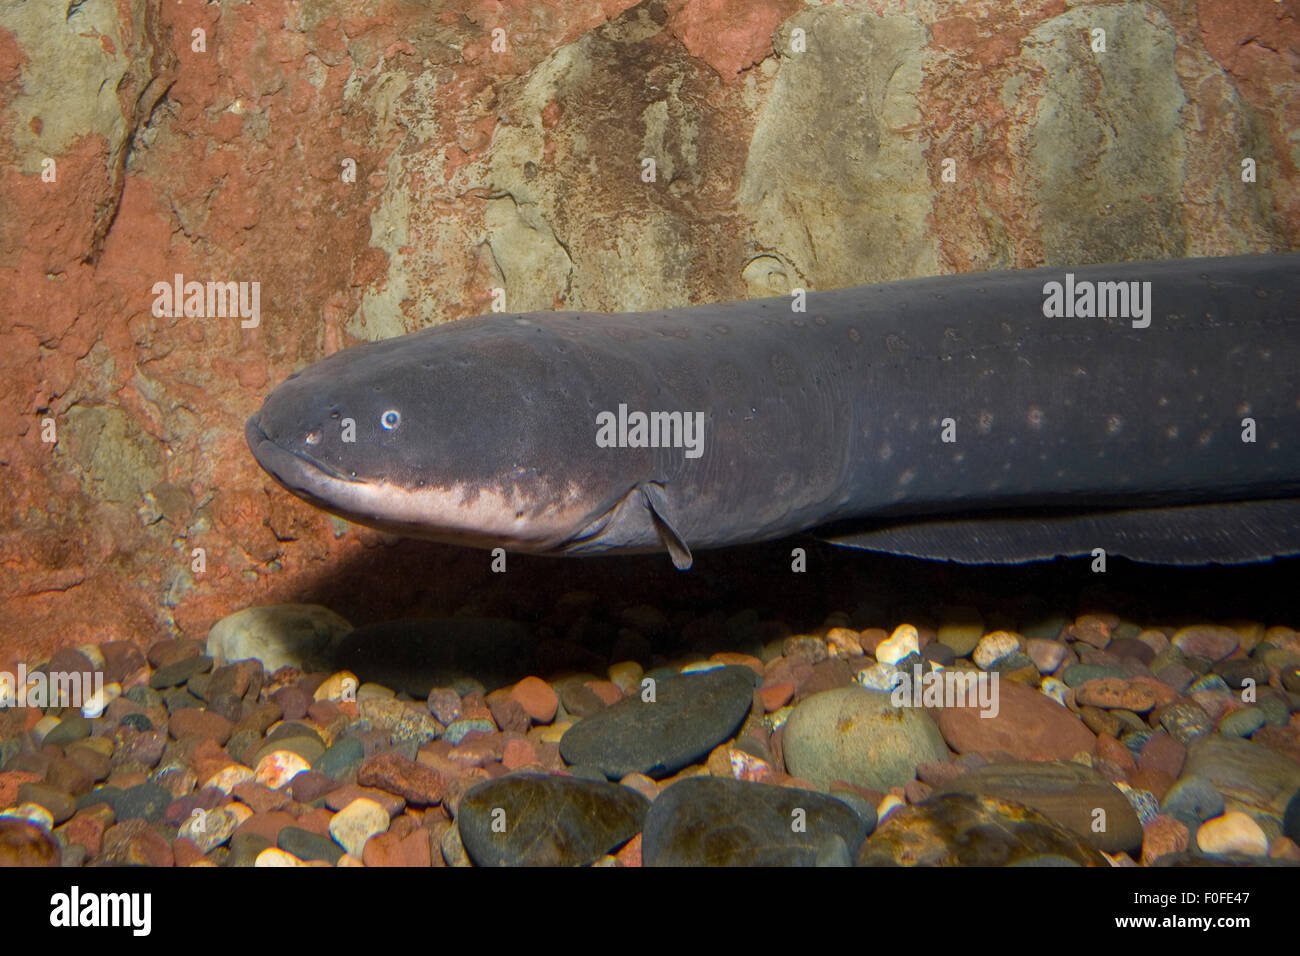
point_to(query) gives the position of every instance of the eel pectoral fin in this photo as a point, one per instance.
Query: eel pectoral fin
(660, 513)
(1233, 532)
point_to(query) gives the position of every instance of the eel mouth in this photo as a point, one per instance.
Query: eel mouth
(299, 474)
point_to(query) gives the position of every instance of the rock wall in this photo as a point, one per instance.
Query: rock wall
(502, 145)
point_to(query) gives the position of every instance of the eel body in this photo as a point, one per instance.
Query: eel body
(1150, 410)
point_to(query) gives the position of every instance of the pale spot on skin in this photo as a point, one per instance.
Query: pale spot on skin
(886, 452)
(1035, 417)
(1243, 409)
(1114, 425)
(1171, 432)
(907, 477)
(985, 423)
(1205, 438)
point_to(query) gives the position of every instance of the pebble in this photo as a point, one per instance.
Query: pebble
(904, 642)
(147, 801)
(961, 628)
(1027, 726)
(1192, 799)
(58, 804)
(1242, 723)
(1207, 641)
(963, 830)
(305, 845)
(1046, 655)
(1253, 776)
(1161, 836)
(278, 635)
(459, 729)
(860, 737)
(1111, 693)
(178, 672)
(278, 767)
(209, 829)
(1066, 793)
(345, 753)
(402, 720)
(879, 677)
(690, 715)
(1078, 674)
(356, 823)
(539, 699)
(339, 686)
(1055, 690)
(275, 857)
(528, 819)
(1185, 722)
(994, 647)
(417, 784)
(69, 730)
(712, 821)
(1232, 833)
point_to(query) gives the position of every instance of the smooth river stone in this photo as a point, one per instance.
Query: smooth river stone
(691, 714)
(859, 736)
(1068, 794)
(1250, 777)
(545, 820)
(718, 821)
(278, 635)
(958, 829)
(1028, 726)
(419, 654)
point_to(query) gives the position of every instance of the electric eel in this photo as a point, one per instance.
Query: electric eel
(1149, 410)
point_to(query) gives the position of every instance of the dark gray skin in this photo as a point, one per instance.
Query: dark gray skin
(1071, 433)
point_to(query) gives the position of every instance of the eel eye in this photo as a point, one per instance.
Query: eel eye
(390, 419)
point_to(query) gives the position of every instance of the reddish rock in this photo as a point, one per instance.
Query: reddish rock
(267, 824)
(1205, 640)
(607, 691)
(787, 670)
(1108, 748)
(196, 722)
(316, 821)
(336, 800)
(1164, 753)
(88, 827)
(537, 697)
(11, 780)
(518, 753)
(1157, 781)
(775, 696)
(185, 852)
(509, 714)
(120, 659)
(629, 854)
(1115, 693)
(261, 798)
(1029, 726)
(136, 843)
(395, 774)
(1090, 629)
(728, 37)
(394, 849)
(1163, 835)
